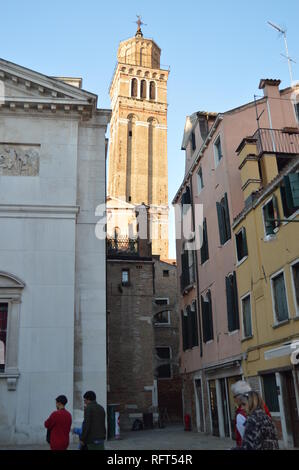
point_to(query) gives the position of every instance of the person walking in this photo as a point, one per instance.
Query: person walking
(239, 389)
(93, 429)
(59, 425)
(260, 432)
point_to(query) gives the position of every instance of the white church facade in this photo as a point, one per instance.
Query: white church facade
(52, 265)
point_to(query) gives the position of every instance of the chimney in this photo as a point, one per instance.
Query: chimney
(270, 87)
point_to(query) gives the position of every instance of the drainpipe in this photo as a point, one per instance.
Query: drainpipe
(196, 272)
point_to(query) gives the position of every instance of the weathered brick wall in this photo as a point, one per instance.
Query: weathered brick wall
(169, 390)
(130, 338)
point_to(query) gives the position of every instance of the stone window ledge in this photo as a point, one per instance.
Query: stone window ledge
(11, 378)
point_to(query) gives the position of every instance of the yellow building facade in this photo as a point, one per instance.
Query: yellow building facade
(267, 246)
(138, 172)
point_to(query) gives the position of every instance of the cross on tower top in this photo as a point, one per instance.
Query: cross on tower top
(139, 23)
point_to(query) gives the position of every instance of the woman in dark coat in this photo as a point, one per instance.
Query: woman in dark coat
(260, 432)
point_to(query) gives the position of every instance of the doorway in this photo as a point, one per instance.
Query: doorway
(198, 388)
(292, 405)
(214, 408)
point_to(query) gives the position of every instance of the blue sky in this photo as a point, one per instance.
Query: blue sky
(217, 51)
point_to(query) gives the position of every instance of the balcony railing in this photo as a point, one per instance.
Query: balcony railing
(277, 141)
(122, 246)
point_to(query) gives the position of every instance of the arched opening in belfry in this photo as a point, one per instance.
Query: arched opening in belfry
(134, 85)
(143, 89)
(152, 91)
(142, 56)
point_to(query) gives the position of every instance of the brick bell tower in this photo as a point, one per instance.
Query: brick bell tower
(138, 133)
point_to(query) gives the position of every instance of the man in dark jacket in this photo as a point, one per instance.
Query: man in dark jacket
(93, 428)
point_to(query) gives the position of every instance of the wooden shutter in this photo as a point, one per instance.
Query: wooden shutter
(189, 328)
(204, 319)
(291, 182)
(220, 223)
(184, 331)
(229, 303)
(194, 326)
(210, 313)
(227, 219)
(236, 303)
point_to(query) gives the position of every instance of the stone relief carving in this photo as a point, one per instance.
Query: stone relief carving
(19, 160)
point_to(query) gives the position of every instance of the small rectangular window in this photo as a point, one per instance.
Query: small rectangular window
(232, 302)
(193, 141)
(217, 150)
(3, 334)
(204, 251)
(271, 392)
(271, 216)
(164, 370)
(165, 273)
(125, 277)
(207, 317)
(199, 180)
(241, 244)
(246, 313)
(279, 298)
(223, 219)
(163, 317)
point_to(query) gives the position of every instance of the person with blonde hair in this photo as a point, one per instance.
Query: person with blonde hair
(260, 432)
(239, 389)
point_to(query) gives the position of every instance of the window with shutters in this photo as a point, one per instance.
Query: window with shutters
(207, 316)
(279, 297)
(217, 150)
(232, 302)
(199, 180)
(189, 327)
(223, 220)
(271, 216)
(134, 85)
(246, 316)
(3, 334)
(143, 89)
(241, 244)
(204, 251)
(290, 194)
(163, 317)
(295, 281)
(271, 392)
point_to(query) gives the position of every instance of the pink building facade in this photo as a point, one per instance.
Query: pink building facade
(209, 302)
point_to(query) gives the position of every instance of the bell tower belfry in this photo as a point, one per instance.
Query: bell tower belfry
(138, 172)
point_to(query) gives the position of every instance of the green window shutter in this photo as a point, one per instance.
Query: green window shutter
(244, 242)
(205, 313)
(227, 219)
(189, 328)
(220, 223)
(288, 193)
(236, 303)
(184, 336)
(294, 184)
(281, 306)
(229, 303)
(194, 326)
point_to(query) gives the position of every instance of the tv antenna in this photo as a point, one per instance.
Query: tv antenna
(286, 56)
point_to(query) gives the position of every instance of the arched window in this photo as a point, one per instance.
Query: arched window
(152, 91)
(134, 87)
(143, 89)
